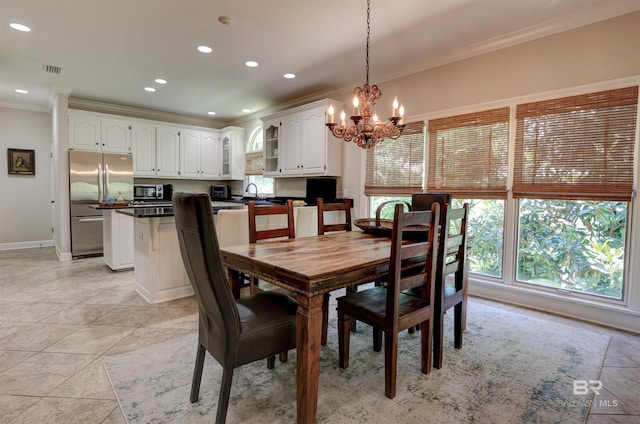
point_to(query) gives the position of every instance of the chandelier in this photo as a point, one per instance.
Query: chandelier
(367, 129)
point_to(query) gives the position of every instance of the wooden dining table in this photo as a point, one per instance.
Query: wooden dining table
(310, 267)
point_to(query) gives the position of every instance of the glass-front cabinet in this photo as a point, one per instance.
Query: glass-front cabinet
(297, 142)
(271, 132)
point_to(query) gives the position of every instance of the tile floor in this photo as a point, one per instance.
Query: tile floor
(58, 318)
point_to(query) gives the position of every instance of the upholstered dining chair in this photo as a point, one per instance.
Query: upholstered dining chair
(234, 331)
(411, 264)
(324, 227)
(452, 260)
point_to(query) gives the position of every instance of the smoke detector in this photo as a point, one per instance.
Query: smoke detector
(226, 20)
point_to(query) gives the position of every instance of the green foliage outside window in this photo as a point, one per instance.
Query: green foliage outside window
(573, 245)
(485, 230)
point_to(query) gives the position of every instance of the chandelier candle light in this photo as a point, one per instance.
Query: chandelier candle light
(366, 129)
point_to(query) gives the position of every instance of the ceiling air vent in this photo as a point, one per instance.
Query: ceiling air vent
(52, 69)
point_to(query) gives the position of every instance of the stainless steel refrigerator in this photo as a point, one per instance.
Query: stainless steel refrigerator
(93, 178)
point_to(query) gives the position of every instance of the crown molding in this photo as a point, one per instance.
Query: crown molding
(134, 112)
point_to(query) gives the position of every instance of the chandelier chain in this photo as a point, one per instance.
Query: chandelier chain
(368, 37)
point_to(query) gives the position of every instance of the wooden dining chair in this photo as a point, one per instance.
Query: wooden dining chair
(234, 331)
(282, 229)
(450, 292)
(279, 224)
(411, 264)
(324, 227)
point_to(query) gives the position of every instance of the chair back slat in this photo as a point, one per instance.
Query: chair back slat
(411, 281)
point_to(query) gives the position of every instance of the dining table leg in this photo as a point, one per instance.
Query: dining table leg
(235, 278)
(308, 344)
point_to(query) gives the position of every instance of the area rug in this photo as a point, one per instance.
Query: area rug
(513, 368)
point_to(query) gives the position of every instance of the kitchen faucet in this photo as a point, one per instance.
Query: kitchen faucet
(246, 190)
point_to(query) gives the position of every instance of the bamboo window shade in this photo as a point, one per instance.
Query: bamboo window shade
(253, 163)
(469, 153)
(578, 147)
(396, 167)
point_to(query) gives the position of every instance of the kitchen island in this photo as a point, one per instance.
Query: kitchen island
(160, 275)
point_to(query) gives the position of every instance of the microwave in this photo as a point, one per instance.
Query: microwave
(152, 191)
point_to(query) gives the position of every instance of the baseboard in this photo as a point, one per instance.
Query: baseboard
(615, 316)
(26, 244)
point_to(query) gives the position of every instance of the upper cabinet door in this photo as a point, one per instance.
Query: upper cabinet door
(84, 132)
(289, 145)
(210, 154)
(116, 136)
(143, 146)
(270, 151)
(189, 154)
(313, 150)
(167, 152)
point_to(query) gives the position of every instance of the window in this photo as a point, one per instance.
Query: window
(396, 167)
(468, 157)
(253, 168)
(573, 176)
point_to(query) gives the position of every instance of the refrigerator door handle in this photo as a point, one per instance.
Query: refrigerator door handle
(106, 181)
(97, 218)
(101, 197)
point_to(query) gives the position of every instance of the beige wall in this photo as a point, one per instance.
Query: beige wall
(593, 54)
(25, 200)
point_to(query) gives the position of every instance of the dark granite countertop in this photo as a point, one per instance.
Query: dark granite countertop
(158, 212)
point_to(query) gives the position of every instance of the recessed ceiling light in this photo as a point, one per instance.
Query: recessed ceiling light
(211, 113)
(289, 76)
(151, 89)
(160, 81)
(19, 27)
(246, 110)
(251, 64)
(21, 91)
(205, 49)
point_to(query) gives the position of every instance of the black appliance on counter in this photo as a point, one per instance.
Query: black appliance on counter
(220, 192)
(152, 192)
(324, 188)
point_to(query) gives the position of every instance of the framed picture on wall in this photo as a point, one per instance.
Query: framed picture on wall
(21, 162)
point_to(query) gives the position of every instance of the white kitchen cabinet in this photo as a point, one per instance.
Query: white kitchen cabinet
(94, 133)
(117, 240)
(200, 155)
(143, 148)
(167, 151)
(233, 153)
(159, 272)
(304, 145)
